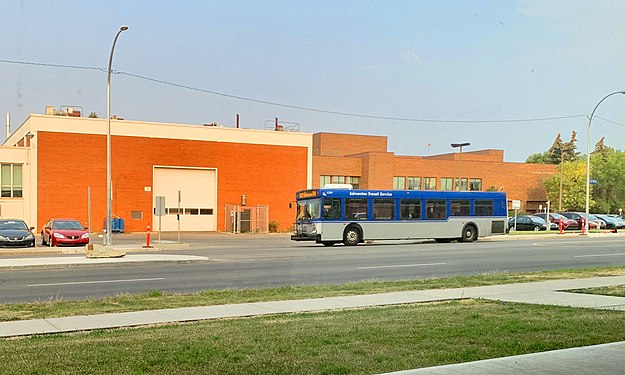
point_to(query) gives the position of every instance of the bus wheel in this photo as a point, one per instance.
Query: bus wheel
(328, 243)
(351, 237)
(469, 233)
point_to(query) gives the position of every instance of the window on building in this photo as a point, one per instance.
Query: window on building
(436, 209)
(399, 183)
(414, 183)
(11, 180)
(383, 209)
(475, 184)
(461, 184)
(410, 209)
(483, 207)
(460, 207)
(447, 183)
(356, 209)
(353, 180)
(429, 183)
(136, 215)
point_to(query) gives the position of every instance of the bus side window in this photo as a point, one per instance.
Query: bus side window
(332, 209)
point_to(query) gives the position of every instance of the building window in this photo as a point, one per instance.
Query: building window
(414, 183)
(399, 183)
(460, 207)
(410, 209)
(447, 183)
(476, 184)
(461, 184)
(11, 180)
(353, 180)
(429, 183)
(383, 209)
(136, 215)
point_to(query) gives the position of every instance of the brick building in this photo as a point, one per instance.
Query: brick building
(365, 162)
(55, 166)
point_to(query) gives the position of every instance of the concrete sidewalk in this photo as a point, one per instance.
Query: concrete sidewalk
(68, 260)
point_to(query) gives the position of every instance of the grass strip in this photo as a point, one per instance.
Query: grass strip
(159, 300)
(614, 291)
(356, 341)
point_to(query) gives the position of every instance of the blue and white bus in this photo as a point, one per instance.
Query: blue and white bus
(333, 215)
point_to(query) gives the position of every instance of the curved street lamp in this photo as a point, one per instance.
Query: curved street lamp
(588, 157)
(109, 193)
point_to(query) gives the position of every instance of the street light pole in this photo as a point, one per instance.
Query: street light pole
(460, 145)
(109, 183)
(588, 157)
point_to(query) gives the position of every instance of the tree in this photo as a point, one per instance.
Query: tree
(558, 152)
(93, 115)
(573, 186)
(608, 169)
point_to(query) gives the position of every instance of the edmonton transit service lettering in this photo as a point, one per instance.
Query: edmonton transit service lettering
(370, 194)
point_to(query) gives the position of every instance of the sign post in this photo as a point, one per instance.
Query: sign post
(179, 199)
(516, 204)
(159, 210)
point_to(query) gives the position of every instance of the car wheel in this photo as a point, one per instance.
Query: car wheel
(51, 241)
(351, 237)
(536, 228)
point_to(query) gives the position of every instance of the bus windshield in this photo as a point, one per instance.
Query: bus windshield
(309, 209)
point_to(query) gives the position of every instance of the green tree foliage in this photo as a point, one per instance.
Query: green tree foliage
(573, 186)
(607, 166)
(558, 152)
(93, 115)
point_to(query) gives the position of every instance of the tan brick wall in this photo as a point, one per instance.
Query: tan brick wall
(69, 163)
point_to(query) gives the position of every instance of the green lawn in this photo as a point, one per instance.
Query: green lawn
(355, 341)
(616, 291)
(159, 300)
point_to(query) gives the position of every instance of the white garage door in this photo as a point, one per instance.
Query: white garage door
(198, 198)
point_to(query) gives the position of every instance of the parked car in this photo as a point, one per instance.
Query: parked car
(612, 223)
(557, 218)
(58, 232)
(15, 232)
(529, 222)
(578, 216)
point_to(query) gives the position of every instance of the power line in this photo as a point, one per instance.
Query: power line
(310, 109)
(610, 121)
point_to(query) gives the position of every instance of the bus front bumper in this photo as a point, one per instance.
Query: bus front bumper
(306, 237)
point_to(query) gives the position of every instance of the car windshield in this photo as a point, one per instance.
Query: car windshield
(67, 224)
(537, 219)
(557, 216)
(13, 225)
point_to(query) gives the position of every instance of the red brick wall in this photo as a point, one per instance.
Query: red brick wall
(69, 163)
(333, 144)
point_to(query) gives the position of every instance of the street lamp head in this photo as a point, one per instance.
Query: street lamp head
(123, 28)
(460, 144)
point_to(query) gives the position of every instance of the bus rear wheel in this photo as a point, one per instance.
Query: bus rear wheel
(469, 233)
(351, 237)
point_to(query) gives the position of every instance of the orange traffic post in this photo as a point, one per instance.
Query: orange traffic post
(583, 227)
(560, 226)
(147, 239)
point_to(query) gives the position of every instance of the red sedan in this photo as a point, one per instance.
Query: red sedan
(57, 232)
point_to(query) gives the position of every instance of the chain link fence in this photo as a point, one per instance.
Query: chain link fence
(245, 219)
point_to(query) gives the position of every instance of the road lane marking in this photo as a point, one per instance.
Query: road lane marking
(598, 255)
(99, 282)
(402, 265)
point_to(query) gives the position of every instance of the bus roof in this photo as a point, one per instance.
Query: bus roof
(379, 193)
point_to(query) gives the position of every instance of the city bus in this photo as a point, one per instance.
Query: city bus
(343, 215)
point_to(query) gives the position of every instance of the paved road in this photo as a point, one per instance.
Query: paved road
(275, 261)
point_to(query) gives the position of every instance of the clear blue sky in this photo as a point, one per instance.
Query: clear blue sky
(444, 60)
